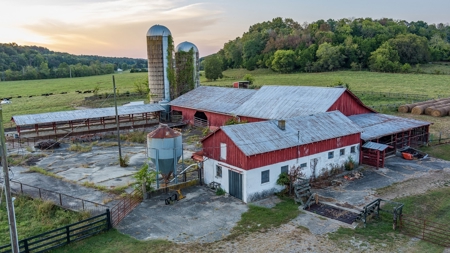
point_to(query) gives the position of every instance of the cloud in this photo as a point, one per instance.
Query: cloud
(125, 36)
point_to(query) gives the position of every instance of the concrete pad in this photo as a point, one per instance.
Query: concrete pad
(317, 224)
(201, 216)
(268, 202)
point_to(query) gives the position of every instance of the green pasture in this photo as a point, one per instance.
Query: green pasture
(427, 84)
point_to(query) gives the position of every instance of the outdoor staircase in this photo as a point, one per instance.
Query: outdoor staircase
(302, 190)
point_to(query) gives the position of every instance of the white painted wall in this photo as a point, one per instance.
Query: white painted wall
(252, 178)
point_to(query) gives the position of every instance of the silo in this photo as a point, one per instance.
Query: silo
(187, 68)
(159, 55)
(164, 148)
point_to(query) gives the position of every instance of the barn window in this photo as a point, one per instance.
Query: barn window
(330, 154)
(303, 165)
(342, 152)
(223, 151)
(285, 169)
(265, 176)
(353, 149)
(218, 171)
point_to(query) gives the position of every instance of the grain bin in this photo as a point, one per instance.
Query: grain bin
(164, 149)
(159, 55)
(187, 68)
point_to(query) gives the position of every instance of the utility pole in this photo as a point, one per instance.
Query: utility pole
(117, 122)
(9, 202)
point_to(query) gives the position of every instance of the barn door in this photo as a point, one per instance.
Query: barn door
(235, 184)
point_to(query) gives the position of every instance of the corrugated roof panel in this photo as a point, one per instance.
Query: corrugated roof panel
(50, 117)
(214, 99)
(376, 125)
(262, 137)
(375, 146)
(284, 102)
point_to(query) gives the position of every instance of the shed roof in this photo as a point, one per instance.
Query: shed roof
(376, 125)
(213, 99)
(50, 117)
(284, 102)
(266, 136)
(375, 146)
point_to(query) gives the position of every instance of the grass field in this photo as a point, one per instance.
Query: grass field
(432, 85)
(34, 217)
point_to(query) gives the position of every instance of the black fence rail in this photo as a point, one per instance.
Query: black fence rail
(59, 199)
(433, 232)
(64, 235)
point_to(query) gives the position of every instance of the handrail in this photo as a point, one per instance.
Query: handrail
(182, 172)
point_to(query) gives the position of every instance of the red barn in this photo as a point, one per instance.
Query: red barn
(246, 159)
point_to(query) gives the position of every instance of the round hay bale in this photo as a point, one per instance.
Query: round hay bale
(404, 108)
(420, 109)
(440, 112)
(430, 109)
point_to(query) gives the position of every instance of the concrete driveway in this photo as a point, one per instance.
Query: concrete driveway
(201, 216)
(362, 191)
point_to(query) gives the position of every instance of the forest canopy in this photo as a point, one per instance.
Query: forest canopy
(386, 45)
(33, 62)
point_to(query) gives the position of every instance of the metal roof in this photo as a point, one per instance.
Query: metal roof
(262, 137)
(50, 117)
(158, 30)
(185, 47)
(375, 146)
(213, 99)
(376, 125)
(284, 102)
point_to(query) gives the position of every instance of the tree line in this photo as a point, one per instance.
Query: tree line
(385, 45)
(33, 62)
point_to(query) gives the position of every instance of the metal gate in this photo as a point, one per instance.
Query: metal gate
(235, 184)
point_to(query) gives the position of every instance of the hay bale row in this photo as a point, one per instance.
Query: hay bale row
(428, 110)
(408, 107)
(420, 109)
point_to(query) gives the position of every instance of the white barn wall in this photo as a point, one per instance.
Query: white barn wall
(252, 178)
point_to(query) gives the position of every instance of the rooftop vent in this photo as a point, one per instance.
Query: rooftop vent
(282, 124)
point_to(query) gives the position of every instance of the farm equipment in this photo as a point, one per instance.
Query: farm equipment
(50, 144)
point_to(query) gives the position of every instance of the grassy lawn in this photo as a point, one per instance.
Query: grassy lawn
(440, 151)
(34, 217)
(434, 205)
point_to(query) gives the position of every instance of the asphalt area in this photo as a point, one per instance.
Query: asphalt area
(200, 217)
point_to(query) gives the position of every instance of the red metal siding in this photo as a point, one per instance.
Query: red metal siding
(214, 119)
(250, 119)
(349, 105)
(235, 157)
(265, 159)
(211, 149)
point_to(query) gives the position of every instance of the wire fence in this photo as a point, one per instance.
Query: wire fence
(393, 95)
(426, 230)
(59, 199)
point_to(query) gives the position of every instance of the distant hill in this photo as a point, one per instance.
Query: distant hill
(33, 62)
(384, 45)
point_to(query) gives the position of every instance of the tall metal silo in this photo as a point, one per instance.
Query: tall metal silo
(187, 68)
(159, 55)
(164, 148)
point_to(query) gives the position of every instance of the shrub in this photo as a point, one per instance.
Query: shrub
(249, 78)
(349, 164)
(144, 175)
(220, 191)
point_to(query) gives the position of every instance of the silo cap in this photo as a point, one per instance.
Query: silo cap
(185, 47)
(162, 132)
(158, 30)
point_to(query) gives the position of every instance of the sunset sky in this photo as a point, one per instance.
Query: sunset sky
(118, 28)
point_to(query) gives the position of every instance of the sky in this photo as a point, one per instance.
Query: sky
(118, 28)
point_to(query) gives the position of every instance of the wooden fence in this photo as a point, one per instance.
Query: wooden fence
(59, 199)
(426, 230)
(125, 206)
(64, 235)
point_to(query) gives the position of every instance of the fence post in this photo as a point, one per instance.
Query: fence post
(60, 200)
(25, 245)
(21, 188)
(68, 234)
(423, 231)
(108, 219)
(82, 203)
(40, 193)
